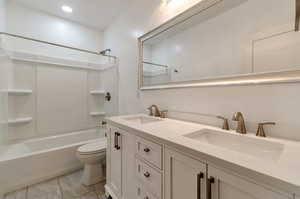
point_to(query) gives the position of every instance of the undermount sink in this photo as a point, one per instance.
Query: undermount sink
(143, 119)
(240, 143)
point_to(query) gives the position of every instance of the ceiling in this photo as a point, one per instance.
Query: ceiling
(94, 13)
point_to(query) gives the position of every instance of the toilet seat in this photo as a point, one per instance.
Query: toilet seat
(92, 148)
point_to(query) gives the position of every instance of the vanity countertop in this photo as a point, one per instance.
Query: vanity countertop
(283, 171)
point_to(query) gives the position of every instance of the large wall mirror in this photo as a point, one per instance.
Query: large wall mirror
(223, 42)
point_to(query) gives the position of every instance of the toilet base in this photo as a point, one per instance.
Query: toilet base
(92, 174)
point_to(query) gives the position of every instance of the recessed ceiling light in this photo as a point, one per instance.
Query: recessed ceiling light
(67, 9)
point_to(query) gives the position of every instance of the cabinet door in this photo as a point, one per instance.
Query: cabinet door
(115, 161)
(184, 177)
(228, 186)
(128, 166)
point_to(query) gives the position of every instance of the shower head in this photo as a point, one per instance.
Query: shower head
(103, 52)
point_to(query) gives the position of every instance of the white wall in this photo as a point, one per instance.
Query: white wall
(60, 101)
(33, 23)
(2, 15)
(3, 99)
(277, 102)
(3, 74)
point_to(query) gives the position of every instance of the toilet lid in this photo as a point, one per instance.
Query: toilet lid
(95, 147)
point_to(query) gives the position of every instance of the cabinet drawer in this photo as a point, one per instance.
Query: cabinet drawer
(143, 193)
(150, 151)
(150, 177)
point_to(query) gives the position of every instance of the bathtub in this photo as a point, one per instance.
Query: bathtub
(37, 160)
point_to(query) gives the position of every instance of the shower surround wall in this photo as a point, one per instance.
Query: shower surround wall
(277, 102)
(3, 97)
(58, 81)
(3, 4)
(49, 98)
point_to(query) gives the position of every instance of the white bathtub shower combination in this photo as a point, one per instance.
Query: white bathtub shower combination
(38, 159)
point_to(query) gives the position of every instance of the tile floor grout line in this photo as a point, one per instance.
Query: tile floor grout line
(26, 192)
(95, 189)
(60, 188)
(96, 193)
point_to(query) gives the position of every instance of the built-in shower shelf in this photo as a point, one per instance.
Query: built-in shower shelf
(97, 92)
(20, 120)
(19, 91)
(94, 114)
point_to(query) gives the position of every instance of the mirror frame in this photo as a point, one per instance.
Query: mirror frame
(286, 76)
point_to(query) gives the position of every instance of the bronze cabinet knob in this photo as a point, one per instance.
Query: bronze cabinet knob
(147, 150)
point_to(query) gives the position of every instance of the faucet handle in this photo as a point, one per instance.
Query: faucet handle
(260, 130)
(150, 110)
(164, 114)
(225, 123)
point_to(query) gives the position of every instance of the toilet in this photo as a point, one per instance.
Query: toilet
(92, 155)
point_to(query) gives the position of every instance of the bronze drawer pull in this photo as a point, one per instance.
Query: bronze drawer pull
(210, 181)
(199, 177)
(147, 150)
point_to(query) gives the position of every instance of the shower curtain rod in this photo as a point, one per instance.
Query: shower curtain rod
(59, 45)
(154, 64)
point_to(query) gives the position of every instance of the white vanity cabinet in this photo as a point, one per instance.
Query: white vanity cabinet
(114, 161)
(120, 163)
(184, 177)
(222, 185)
(140, 168)
(149, 168)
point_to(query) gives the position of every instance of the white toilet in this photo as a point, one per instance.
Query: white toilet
(93, 157)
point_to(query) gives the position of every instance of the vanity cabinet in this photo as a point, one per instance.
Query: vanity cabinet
(140, 168)
(224, 185)
(184, 177)
(114, 160)
(120, 160)
(149, 168)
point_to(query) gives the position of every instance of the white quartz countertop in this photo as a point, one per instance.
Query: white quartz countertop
(285, 168)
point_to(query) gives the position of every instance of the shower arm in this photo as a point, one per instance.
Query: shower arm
(102, 53)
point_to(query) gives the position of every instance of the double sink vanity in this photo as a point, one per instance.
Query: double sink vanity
(159, 158)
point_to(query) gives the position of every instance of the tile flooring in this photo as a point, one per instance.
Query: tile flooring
(63, 187)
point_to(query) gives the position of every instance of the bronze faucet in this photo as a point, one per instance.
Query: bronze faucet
(241, 128)
(156, 112)
(260, 131)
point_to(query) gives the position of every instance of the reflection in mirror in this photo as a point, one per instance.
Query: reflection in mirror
(225, 39)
